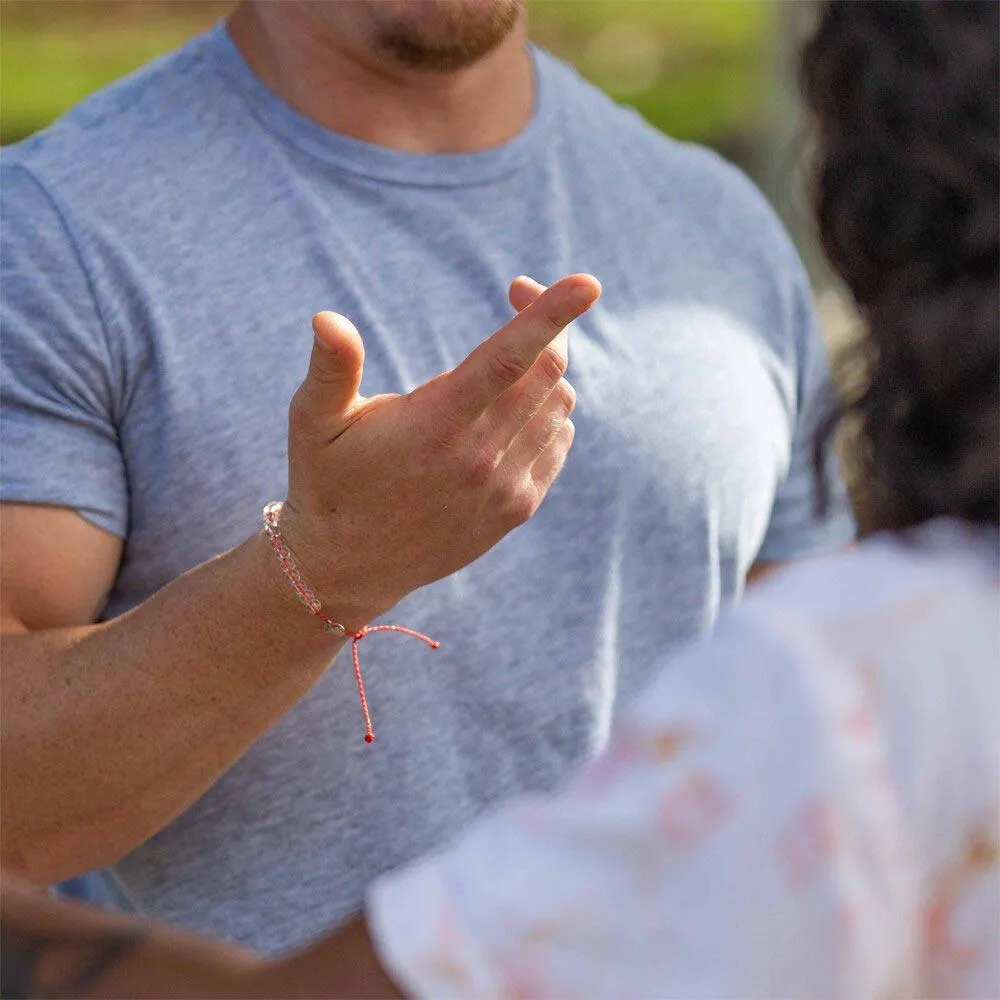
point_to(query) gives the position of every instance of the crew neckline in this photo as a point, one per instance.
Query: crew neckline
(368, 159)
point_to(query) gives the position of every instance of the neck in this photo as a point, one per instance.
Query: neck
(465, 111)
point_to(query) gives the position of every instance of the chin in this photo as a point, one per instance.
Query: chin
(442, 35)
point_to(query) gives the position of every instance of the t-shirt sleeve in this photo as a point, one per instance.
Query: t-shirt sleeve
(58, 430)
(796, 528)
(737, 839)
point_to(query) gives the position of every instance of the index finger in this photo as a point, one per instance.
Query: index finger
(506, 357)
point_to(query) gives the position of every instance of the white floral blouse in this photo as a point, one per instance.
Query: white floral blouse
(805, 805)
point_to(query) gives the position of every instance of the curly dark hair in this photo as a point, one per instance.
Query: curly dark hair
(905, 97)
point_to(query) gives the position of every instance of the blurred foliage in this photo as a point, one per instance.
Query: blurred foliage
(52, 53)
(695, 68)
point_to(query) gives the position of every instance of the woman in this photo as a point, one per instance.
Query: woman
(806, 805)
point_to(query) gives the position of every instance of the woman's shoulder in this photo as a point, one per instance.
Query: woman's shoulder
(914, 620)
(943, 577)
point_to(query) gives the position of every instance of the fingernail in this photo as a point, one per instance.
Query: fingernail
(581, 295)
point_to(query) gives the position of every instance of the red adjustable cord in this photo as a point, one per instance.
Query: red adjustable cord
(271, 514)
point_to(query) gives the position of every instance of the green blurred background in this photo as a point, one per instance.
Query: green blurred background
(696, 68)
(714, 71)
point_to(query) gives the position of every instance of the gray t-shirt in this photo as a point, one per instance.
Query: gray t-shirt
(164, 247)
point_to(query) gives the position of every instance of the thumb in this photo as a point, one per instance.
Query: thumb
(523, 291)
(335, 367)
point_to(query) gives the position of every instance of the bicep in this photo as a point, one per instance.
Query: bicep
(56, 568)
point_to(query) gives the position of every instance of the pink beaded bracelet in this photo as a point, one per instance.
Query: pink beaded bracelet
(272, 512)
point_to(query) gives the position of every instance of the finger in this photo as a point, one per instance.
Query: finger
(337, 361)
(549, 464)
(505, 358)
(522, 401)
(523, 291)
(543, 429)
(525, 437)
(330, 389)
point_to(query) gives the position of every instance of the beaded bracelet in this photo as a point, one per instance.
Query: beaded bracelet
(272, 512)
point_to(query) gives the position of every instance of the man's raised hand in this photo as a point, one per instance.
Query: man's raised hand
(390, 493)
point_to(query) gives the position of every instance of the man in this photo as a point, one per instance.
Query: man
(400, 161)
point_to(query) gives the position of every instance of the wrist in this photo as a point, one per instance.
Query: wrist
(274, 599)
(353, 624)
(329, 569)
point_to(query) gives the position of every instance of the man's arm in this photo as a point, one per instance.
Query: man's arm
(111, 730)
(60, 949)
(52, 948)
(131, 720)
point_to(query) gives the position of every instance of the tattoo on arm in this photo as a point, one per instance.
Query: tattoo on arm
(37, 965)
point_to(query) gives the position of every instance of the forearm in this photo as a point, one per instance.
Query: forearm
(111, 730)
(57, 949)
(54, 948)
(341, 966)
